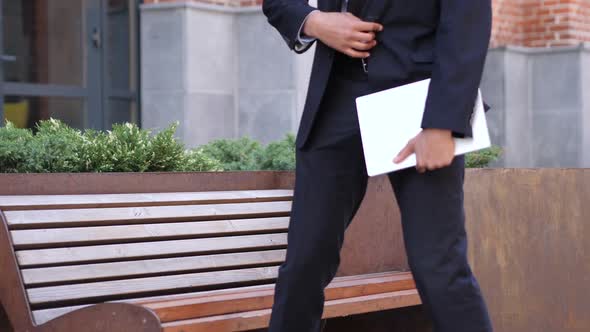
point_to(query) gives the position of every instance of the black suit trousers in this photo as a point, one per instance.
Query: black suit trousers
(330, 184)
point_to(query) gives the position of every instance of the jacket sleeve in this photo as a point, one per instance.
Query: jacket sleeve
(288, 16)
(461, 45)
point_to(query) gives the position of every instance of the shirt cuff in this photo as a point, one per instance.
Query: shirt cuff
(303, 41)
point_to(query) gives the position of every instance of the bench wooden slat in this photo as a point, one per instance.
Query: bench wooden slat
(118, 270)
(161, 304)
(129, 215)
(43, 238)
(248, 289)
(146, 250)
(250, 320)
(36, 202)
(44, 315)
(201, 306)
(101, 291)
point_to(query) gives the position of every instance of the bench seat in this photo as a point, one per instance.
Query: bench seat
(202, 261)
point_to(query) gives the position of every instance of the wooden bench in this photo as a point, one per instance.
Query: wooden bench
(190, 261)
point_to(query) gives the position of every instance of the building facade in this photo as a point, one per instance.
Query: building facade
(219, 69)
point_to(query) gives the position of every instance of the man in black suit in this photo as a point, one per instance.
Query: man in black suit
(365, 46)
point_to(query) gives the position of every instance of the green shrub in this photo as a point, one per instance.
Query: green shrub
(126, 148)
(196, 160)
(482, 158)
(280, 155)
(166, 152)
(13, 148)
(96, 152)
(129, 148)
(55, 147)
(242, 154)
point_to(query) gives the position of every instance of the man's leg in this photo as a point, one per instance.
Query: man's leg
(329, 186)
(433, 223)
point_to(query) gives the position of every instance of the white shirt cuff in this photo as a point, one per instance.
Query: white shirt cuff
(303, 41)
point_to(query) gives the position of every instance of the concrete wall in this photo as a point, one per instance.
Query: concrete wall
(541, 105)
(223, 72)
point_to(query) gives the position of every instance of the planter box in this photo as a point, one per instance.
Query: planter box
(527, 229)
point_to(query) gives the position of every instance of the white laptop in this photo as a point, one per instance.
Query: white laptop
(389, 119)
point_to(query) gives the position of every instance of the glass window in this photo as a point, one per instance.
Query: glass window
(119, 111)
(25, 112)
(43, 41)
(87, 48)
(119, 43)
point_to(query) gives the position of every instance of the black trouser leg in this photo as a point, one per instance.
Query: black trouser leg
(433, 223)
(329, 187)
(330, 183)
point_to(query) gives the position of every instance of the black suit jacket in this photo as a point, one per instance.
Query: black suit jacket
(445, 40)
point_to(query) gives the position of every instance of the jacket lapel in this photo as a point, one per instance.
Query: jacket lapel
(373, 10)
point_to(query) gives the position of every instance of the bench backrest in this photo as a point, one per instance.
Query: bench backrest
(76, 250)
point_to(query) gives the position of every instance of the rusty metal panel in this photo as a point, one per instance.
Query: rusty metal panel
(373, 242)
(527, 232)
(103, 183)
(529, 246)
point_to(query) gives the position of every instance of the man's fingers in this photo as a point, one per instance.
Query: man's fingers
(364, 36)
(356, 54)
(360, 46)
(368, 26)
(432, 167)
(405, 152)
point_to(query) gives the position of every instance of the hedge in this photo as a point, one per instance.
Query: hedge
(55, 147)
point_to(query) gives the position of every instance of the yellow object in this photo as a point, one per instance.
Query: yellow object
(17, 113)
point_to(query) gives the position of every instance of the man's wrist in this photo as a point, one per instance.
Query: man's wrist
(310, 25)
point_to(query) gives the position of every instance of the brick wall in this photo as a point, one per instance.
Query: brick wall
(541, 23)
(535, 23)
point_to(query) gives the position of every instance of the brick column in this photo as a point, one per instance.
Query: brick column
(540, 23)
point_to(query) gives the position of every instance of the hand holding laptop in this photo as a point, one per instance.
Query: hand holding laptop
(434, 148)
(390, 119)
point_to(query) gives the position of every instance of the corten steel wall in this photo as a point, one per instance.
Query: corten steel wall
(529, 246)
(528, 235)
(527, 231)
